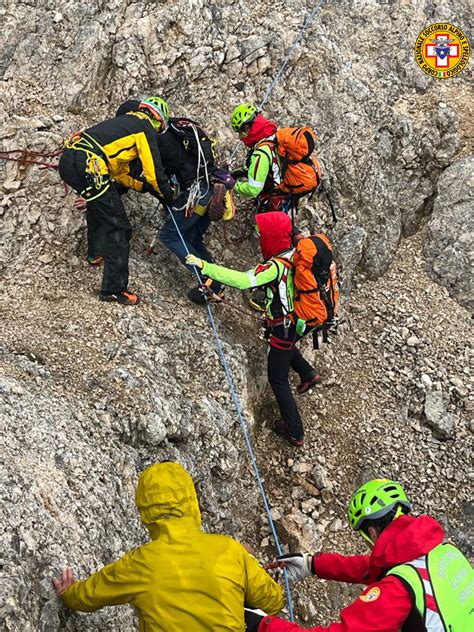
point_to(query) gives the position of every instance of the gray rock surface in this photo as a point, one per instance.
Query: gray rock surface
(92, 393)
(450, 239)
(437, 416)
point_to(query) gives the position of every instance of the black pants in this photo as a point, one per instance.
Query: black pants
(279, 363)
(109, 230)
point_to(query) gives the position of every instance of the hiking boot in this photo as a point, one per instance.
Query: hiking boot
(281, 429)
(94, 260)
(124, 298)
(199, 296)
(305, 385)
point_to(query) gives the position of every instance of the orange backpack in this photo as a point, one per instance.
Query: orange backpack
(315, 282)
(300, 172)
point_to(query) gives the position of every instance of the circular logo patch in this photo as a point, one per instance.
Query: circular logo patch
(442, 50)
(372, 595)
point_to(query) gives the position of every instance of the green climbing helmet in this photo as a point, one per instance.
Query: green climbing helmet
(243, 114)
(374, 500)
(159, 109)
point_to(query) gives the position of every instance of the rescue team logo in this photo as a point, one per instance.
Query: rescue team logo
(372, 595)
(442, 50)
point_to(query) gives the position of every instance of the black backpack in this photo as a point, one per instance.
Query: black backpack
(194, 139)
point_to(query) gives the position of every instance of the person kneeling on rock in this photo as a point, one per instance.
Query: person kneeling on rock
(275, 229)
(415, 579)
(184, 579)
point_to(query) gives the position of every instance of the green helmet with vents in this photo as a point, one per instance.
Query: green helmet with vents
(242, 114)
(374, 500)
(158, 108)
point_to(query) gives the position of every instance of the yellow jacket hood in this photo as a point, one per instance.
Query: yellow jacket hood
(166, 491)
(185, 579)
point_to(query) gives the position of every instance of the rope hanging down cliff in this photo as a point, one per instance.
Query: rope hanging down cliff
(240, 416)
(308, 21)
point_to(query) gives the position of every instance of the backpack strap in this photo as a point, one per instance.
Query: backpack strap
(259, 149)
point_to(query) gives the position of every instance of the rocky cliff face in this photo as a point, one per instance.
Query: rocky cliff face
(93, 393)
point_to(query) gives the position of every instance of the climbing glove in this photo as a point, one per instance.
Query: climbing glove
(300, 327)
(298, 565)
(147, 188)
(192, 260)
(238, 173)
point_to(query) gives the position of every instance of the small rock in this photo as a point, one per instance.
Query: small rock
(46, 258)
(302, 468)
(426, 380)
(298, 531)
(437, 416)
(413, 341)
(320, 477)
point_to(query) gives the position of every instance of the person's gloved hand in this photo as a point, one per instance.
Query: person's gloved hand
(298, 565)
(147, 188)
(300, 327)
(238, 173)
(192, 260)
(252, 620)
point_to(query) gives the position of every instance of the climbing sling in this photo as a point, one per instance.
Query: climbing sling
(96, 171)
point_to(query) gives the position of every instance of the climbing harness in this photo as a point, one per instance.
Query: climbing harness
(96, 171)
(240, 416)
(195, 194)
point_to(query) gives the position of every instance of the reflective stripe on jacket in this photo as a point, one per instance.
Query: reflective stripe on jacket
(184, 579)
(442, 585)
(272, 274)
(263, 172)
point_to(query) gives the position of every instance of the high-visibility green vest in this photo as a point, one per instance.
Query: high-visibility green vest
(442, 585)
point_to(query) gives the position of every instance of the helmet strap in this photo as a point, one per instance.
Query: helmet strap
(366, 537)
(396, 515)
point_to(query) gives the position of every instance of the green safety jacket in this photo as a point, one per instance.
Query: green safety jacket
(274, 275)
(263, 171)
(442, 587)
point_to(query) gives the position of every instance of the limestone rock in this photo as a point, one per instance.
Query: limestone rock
(450, 240)
(437, 415)
(298, 531)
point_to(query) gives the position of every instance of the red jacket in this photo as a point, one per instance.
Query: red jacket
(385, 604)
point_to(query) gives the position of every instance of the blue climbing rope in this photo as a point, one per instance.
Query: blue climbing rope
(309, 19)
(241, 421)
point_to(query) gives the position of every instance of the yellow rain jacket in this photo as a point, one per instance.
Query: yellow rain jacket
(184, 580)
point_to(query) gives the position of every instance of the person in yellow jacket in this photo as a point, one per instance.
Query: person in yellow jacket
(95, 161)
(184, 579)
